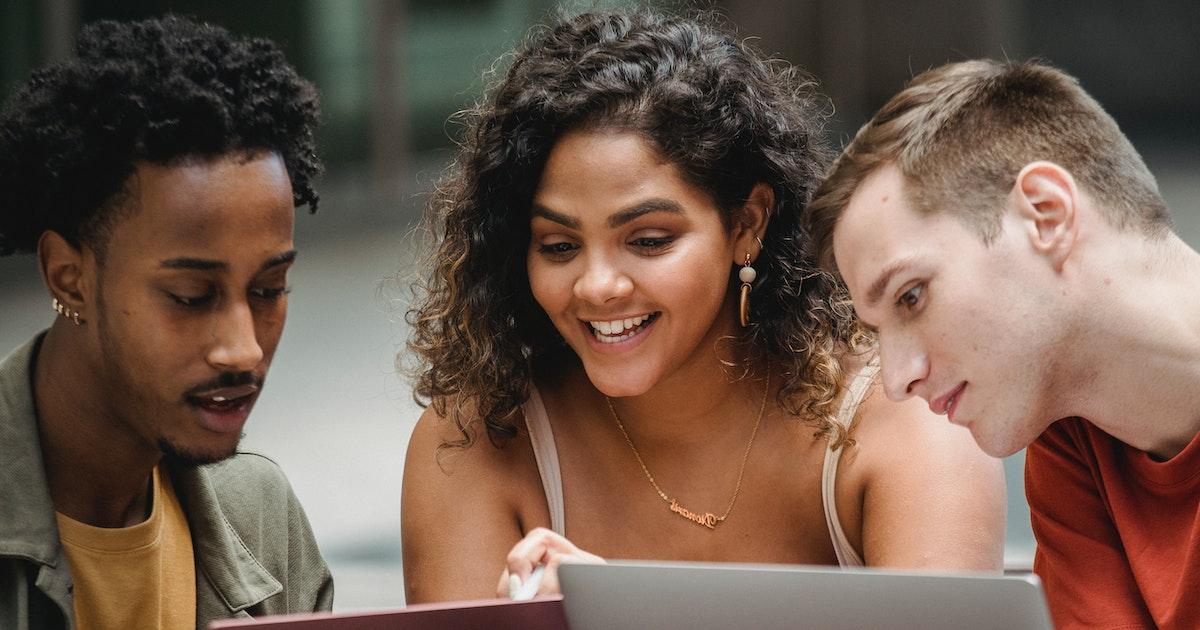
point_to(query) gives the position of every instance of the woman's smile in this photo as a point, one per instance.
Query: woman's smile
(621, 329)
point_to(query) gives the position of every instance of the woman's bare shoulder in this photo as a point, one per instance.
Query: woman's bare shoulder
(931, 497)
(463, 506)
(457, 449)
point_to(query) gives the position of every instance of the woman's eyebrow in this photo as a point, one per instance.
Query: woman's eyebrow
(539, 210)
(643, 207)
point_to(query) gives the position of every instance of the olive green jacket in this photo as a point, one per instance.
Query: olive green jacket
(255, 552)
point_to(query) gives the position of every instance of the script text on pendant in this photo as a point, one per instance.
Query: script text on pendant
(708, 519)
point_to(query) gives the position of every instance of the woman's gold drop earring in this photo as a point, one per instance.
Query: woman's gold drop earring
(746, 274)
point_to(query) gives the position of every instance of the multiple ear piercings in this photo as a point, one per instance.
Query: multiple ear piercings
(65, 311)
(747, 274)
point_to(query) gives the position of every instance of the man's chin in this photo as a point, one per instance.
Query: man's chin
(191, 456)
(998, 446)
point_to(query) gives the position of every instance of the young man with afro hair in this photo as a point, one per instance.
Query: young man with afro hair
(156, 176)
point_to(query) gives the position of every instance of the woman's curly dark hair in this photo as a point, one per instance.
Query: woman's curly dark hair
(712, 106)
(157, 91)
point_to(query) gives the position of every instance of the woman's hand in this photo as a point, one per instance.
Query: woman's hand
(540, 547)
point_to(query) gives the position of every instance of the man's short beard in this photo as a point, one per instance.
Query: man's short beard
(183, 457)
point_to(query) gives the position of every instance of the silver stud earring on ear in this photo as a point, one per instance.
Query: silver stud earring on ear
(66, 312)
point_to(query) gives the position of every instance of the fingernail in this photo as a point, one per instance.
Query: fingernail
(514, 585)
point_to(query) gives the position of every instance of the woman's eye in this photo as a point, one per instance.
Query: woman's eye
(652, 243)
(910, 298)
(560, 249)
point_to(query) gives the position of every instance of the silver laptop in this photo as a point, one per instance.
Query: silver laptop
(703, 596)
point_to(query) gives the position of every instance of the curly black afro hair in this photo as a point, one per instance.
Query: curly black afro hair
(156, 91)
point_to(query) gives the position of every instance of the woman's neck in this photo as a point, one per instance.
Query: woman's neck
(694, 404)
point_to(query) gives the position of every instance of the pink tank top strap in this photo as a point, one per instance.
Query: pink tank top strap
(541, 437)
(855, 393)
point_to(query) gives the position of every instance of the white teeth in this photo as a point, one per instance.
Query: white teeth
(219, 399)
(604, 330)
(616, 339)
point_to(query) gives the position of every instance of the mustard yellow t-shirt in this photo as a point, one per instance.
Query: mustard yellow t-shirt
(142, 576)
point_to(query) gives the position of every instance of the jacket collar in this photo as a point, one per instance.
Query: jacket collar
(221, 554)
(28, 531)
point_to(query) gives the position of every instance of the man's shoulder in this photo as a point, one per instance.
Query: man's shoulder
(247, 468)
(1076, 450)
(250, 494)
(249, 483)
(245, 504)
(16, 389)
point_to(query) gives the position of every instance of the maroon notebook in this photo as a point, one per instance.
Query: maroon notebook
(543, 613)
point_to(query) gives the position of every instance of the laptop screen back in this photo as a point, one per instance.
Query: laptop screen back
(696, 596)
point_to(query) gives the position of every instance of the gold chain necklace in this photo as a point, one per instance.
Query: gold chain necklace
(708, 519)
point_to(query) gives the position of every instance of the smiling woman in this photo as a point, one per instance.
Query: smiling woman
(615, 192)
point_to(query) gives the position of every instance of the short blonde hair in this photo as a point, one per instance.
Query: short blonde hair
(961, 133)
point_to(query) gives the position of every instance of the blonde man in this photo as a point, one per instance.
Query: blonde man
(1012, 251)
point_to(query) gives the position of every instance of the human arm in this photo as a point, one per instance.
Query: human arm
(462, 511)
(1080, 557)
(930, 498)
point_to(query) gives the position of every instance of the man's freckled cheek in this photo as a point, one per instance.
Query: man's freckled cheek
(970, 321)
(941, 340)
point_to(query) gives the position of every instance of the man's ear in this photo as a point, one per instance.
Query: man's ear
(1046, 201)
(751, 223)
(62, 267)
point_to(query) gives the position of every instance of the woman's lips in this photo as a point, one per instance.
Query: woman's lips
(608, 338)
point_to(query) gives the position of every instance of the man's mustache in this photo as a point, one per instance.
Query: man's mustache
(223, 380)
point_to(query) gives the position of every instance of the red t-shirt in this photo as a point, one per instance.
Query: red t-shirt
(1118, 533)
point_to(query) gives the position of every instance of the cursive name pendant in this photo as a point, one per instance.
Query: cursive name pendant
(708, 519)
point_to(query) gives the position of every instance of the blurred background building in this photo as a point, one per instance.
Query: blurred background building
(336, 414)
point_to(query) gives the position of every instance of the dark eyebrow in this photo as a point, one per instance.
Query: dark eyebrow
(557, 217)
(643, 207)
(202, 264)
(885, 277)
(199, 264)
(617, 219)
